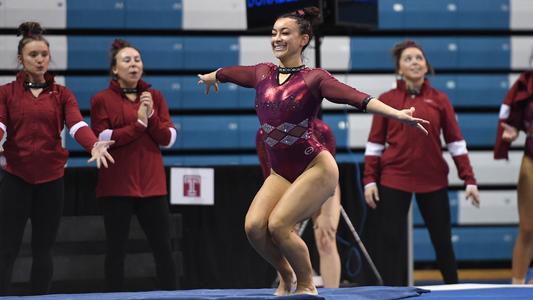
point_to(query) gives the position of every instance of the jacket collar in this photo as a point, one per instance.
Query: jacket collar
(141, 86)
(22, 77)
(402, 86)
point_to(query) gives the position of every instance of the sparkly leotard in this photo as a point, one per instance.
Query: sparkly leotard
(322, 131)
(287, 110)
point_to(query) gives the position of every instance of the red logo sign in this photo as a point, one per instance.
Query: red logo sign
(191, 185)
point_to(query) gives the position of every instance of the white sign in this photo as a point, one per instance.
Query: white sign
(194, 186)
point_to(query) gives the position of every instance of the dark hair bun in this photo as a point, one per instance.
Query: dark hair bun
(29, 29)
(312, 14)
(119, 44)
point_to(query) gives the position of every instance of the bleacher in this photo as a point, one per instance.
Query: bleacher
(477, 47)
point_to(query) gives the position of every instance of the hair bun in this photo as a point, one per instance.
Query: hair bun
(29, 29)
(311, 13)
(119, 44)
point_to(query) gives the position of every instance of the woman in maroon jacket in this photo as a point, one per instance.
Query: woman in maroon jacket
(400, 167)
(516, 114)
(33, 112)
(136, 117)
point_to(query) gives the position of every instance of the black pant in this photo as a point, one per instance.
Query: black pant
(391, 233)
(43, 203)
(154, 217)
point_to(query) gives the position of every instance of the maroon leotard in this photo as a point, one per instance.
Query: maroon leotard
(323, 133)
(287, 110)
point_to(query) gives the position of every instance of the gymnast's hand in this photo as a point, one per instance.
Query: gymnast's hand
(209, 79)
(406, 116)
(371, 195)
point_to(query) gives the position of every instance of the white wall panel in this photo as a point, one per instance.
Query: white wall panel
(497, 207)
(488, 170)
(2, 13)
(359, 127)
(335, 53)
(521, 14)
(214, 14)
(374, 85)
(50, 13)
(8, 52)
(522, 51)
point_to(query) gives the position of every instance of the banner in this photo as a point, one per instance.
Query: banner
(193, 186)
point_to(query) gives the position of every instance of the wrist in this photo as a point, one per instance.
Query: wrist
(370, 184)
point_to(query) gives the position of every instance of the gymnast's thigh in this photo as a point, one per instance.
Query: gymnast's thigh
(267, 197)
(309, 191)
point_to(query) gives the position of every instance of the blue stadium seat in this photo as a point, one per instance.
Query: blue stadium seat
(209, 132)
(441, 52)
(335, 122)
(248, 125)
(210, 52)
(170, 86)
(473, 90)
(371, 53)
(421, 14)
(160, 52)
(85, 87)
(159, 14)
(483, 14)
(194, 97)
(470, 243)
(444, 14)
(390, 14)
(478, 129)
(484, 53)
(88, 52)
(96, 14)
(246, 98)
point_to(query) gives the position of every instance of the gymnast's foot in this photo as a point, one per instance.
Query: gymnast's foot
(285, 285)
(308, 290)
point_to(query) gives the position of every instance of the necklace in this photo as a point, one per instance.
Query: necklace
(129, 90)
(290, 70)
(36, 85)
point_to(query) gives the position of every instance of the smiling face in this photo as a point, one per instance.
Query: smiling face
(128, 67)
(35, 58)
(287, 42)
(412, 65)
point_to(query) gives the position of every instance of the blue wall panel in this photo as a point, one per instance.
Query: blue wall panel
(96, 14)
(159, 14)
(210, 52)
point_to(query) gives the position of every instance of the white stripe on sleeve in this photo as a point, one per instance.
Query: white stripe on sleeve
(505, 111)
(173, 135)
(105, 135)
(374, 149)
(76, 127)
(457, 148)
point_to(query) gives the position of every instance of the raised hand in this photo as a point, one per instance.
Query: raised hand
(147, 102)
(406, 116)
(209, 80)
(100, 155)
